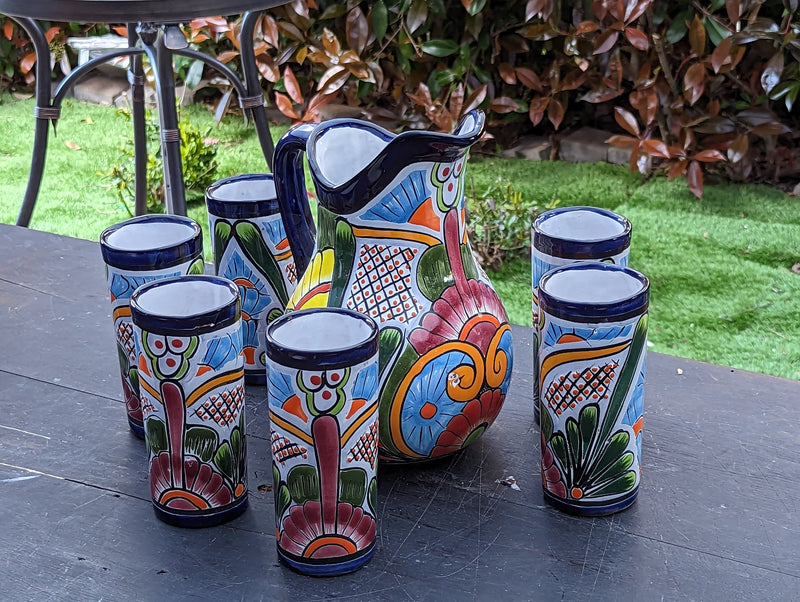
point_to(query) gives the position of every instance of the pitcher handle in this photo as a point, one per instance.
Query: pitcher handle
(290, 186)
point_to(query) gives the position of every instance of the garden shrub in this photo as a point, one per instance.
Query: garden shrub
(693, 86)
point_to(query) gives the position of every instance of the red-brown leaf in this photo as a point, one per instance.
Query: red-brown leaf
(771, 76)
(227, 55)
(734, 10)
(268, 69)
(457, 100)
(638, 10)
(529, 78)
(291, 31)
(555, 112)
(694, 81)
(600, 95)
(357, 30)
(676, 169)
(656, 148)
(617, 140)
(585, 27)
(330, 42)
(646, 102)
(537, 108)
(507, 73)
(738, 148)
(8, 28)
(475, 99)
(285, 106)
(51, 33)
(637, 38)
(626, 121)
(503, 104)
(333, 79)
(269, 30)
(721, 54)
(709, 156)
(533, 8)
(694, 176)
(27, 62)
(422, 97)
(605, 41)
(291, 85)
(697, 36)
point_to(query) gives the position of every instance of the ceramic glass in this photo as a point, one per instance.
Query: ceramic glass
(568, 235)
(322, 389)
(592, 346)
(137, 251)
(191, 376)
(392, 244)
(251, 249)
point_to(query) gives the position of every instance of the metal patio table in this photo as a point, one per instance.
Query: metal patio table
(717, 516)
(147, 21)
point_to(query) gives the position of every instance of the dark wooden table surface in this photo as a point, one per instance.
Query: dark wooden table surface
(717, 516)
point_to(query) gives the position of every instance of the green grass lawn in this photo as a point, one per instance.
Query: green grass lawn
(720, 268)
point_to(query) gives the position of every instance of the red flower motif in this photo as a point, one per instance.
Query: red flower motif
(203, 487)
(464, 428)
(551, 476)
(303, 533)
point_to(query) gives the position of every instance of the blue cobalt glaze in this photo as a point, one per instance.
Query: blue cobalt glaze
(305, 567)
(167, 321)
(594, 311)
(156, 253)
(592, 332)
(243, 196)
(569, 246)
(328, 354)
(191, 377)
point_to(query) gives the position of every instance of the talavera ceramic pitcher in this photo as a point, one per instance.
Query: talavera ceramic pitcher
(391, 242)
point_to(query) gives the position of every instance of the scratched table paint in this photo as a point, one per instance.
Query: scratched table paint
(717, 516)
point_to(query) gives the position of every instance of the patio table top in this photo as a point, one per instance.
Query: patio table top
(717, 517)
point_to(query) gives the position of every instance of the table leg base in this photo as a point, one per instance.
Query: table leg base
(591, 509)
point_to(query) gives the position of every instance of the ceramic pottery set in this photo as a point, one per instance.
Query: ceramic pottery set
(590, 324)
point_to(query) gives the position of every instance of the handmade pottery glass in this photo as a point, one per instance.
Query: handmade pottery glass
(323, 405)
(392, 244)
(592, 346)
(137, 251)
(251, 249)
(568, 235)
(191, 376)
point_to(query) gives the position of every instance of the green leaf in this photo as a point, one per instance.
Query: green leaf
(194, 75)
(621, 484)
(439, 48)
(716, 32)
(617, 468)
(574, 442)
(468, 261)
(546, 423)
(679, 27)
(345, 246)
(198, 266)
(156, 435)
(433, 272)
(613, 452)
(587, 427)
(353, 486)
(201, 441)
(380, 20)
(303, 483)
(389, 341)
(256, 250)
(372, 495)
(559, 446)
(223, 460)
(476, 6)
(222, 235)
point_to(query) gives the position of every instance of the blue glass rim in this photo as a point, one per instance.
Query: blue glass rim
(328, 359)
(243, 209)
(208, 321)
(567, 248)
(607, 311)
(156, 258)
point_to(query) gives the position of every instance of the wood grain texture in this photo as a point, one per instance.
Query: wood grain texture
(717, 516)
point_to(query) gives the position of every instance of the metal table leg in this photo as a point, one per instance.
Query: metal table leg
(253, 85)
(136, 80)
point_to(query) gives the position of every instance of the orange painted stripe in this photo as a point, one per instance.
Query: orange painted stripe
(637, 426)
(358, 423)
(329, 540)
(203, 389)
(556, 359)
(473, 321)
(143, 384)
(195, 499)
(317, 290)
(121, 312)
(284, 255)
(407, 236)
(288, 426)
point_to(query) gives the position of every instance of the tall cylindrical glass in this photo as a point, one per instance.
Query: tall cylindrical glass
(592, 347)
(188, 333)
(251, 249)
(137, 251)
(322, 388)
(568, 235)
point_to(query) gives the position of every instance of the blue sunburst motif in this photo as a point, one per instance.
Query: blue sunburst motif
(366, 383)
(274, 230)
(430, 386)
(279, 386)
(403, 200)
(122, 286)
(254, 293)
(222, 350)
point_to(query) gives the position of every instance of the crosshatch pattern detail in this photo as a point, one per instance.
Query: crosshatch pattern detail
(573, 388)
(366, 448)
(223, 408)
(284, 449)
(125, 337)
(382, 288)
